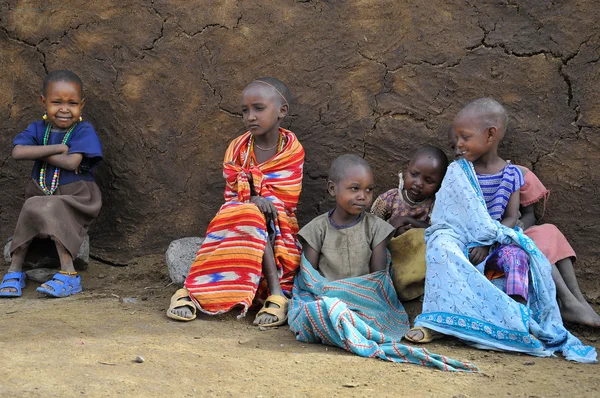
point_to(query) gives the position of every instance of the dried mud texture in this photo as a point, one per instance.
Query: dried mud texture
(377, 78)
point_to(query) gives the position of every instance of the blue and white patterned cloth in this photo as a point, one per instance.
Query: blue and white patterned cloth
(460, 301)
(361, 315)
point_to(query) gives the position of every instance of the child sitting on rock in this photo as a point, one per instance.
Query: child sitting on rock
(251, 254)
(408, 208)
(62, 197)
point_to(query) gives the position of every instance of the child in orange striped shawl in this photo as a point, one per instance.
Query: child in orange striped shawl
(251, 247)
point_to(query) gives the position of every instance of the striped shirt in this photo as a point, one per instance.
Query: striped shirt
(498, 187)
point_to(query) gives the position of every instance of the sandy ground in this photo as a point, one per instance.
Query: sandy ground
(86, 345)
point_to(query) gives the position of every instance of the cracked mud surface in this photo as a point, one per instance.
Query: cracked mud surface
(86, 345)
(163, 80)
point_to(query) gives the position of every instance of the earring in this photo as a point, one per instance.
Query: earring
(45, 117)
(80, 119)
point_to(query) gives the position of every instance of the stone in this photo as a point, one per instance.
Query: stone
(40, 275)
(42, 254)
(180, 255)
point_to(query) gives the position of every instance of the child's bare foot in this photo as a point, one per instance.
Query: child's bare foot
(273, 313)
(421, 334)
(577, 312)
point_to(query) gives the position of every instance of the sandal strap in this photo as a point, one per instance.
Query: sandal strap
(271, 311)
(178, 300)
(14, 275)
(277, 300)
(11, 284)
(67, 280)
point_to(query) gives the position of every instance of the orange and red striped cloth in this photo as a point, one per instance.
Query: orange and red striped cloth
(227, 271)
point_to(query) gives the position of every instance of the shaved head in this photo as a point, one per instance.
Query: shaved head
(436, 154)
(486, 112)
(343, 163)
(278, 87)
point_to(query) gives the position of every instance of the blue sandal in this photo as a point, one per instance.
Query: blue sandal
(62, 285)
(15, 280)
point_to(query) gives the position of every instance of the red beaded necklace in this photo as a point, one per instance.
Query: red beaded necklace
(56, 176)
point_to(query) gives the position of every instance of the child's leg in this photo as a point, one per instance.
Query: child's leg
(18, 257)
(66, 264)
(270, 273)
(567, 272)
(66, 261)
(572, 309)
(16, 264)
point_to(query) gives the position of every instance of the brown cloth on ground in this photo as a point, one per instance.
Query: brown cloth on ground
(408, 262)
(65, 216)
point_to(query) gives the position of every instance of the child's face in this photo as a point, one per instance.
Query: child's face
(472, 141)
(452, 140)
(63, 103)
(262, 109)
(422, 178)
(353, 193)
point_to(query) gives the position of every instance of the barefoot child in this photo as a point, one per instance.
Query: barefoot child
(62, 197)
(553, 244)
(251, 252)
(343, 295)
(408, 208)
(472, 224)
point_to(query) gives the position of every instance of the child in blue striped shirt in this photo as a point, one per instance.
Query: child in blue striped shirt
(479, 128)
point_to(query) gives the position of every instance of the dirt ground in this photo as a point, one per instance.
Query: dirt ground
(86, 345)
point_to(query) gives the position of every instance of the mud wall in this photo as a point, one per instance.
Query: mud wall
(377, 78)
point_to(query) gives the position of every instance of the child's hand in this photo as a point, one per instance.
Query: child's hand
(478, 254)
(400, 221)
(63, 149)
(402, 229)
(265, 206)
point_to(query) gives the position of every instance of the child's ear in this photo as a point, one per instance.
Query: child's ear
(492, 133)
(82, 103)
(331, 188)
(43, 100)
(283, 111)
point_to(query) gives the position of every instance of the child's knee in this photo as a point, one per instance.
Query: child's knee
(39, 204)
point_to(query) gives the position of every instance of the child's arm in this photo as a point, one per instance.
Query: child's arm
(379, 257)
(65, 161)
(528, 215)
(511, 214)
(311, 255)
(404, 223)
(418, 224)
(35, 152)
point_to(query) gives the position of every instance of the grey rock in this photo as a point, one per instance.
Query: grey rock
(42, 254)
(40, 275)
(180, 255)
